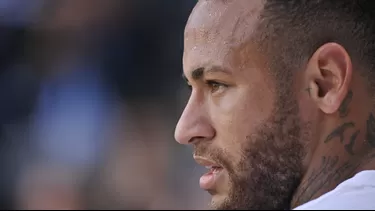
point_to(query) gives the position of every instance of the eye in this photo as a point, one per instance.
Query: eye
(215, 86)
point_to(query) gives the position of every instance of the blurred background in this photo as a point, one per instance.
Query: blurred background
(90, 93)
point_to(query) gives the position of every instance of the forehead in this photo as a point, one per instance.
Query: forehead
(218, 28)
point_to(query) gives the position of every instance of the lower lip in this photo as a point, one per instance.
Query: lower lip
(208, 180)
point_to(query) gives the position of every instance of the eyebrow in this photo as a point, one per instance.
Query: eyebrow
(198, 73)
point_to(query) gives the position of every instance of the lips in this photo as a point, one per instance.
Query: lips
(213, 168)
(209, 180)
(206, 162)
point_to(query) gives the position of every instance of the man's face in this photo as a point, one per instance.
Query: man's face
(242, 126)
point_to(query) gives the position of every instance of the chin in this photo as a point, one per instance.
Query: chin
(218, 202)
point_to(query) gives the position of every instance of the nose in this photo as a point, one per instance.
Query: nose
(194, 124)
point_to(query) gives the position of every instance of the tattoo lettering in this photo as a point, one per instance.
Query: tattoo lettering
(331, 170)
(344, 107)
(349, 146)
(339, 132)
(308, 189)
(370, 133)
(326, 176)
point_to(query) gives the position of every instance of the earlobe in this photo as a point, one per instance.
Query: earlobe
(329, 74)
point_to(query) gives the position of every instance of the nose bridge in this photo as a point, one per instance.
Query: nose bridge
(193, 122)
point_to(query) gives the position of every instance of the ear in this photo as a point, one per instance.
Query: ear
(328, 76)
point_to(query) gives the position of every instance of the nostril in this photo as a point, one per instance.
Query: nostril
(196, 139)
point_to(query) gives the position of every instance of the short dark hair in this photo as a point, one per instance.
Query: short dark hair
(294, 29)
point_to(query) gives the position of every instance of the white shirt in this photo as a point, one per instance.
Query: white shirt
(356, 193)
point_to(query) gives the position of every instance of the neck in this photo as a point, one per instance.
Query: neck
(343, 151)
(328, 174)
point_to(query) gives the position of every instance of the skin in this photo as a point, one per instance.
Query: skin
(280, 141)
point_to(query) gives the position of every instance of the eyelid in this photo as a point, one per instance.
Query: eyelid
(216, 87)
(210, 82)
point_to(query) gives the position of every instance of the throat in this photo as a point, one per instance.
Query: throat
(327, 175)
(323, 179)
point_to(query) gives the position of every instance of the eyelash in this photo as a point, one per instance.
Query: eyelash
(215, 86)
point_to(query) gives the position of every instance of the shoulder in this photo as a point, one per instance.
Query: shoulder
(357, 193)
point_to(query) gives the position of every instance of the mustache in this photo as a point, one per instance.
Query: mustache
(206, 150)
(210, 152)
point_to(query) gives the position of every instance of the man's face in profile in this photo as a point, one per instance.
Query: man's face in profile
(243, 127)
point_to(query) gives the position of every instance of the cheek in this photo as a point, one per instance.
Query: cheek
(236, 115)
(244, 107)
(247, 101)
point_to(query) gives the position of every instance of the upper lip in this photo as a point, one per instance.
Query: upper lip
(205, 162)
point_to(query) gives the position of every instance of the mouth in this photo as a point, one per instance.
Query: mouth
(209, 179)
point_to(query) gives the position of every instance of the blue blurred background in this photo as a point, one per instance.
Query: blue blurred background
(90, 93)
